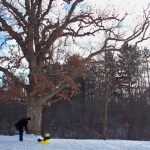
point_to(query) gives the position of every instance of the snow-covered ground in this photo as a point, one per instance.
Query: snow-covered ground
(30, 143)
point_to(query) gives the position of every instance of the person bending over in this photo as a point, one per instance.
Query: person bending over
(21, 125)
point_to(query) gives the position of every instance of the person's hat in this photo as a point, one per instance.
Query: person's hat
(47, 135)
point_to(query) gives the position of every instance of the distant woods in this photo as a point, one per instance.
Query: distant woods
(113, 101)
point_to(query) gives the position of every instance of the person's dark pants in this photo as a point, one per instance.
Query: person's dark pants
(20, 134)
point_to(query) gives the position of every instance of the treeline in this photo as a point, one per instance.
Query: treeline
(113, 101)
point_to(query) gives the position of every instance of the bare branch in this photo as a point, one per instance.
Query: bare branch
(15, 11)
(47, 10)
(55, 90)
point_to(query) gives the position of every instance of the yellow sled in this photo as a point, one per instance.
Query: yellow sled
(44, 142)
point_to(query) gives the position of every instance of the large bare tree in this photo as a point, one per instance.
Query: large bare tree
(34, 32)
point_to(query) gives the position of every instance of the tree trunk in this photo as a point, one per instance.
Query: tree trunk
(34, 110)
(104, 121)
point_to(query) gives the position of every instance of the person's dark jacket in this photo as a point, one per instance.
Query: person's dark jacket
(23, 123)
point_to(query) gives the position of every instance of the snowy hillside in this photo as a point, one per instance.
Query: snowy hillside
(12, 143)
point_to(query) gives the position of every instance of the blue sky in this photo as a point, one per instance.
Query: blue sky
(1, 37)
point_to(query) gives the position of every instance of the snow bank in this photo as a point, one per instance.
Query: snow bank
(30, 143)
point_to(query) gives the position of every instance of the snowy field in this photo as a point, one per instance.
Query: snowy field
(30, 143)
